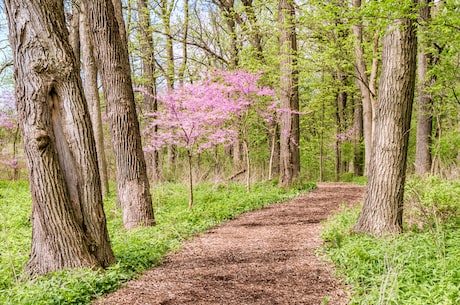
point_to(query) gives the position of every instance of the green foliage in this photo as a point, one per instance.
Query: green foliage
(419, 266)
(135, 250)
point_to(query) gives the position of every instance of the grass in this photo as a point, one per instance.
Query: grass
(135, 250)
(420, 266)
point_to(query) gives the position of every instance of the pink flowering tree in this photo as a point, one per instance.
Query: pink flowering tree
(252, 102)
(9, 132)
(210, 112)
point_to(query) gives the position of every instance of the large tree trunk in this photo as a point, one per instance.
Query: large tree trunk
(383, 205)
(92, 97)
(424, 103)
(289, 94)
(113, 64)
(68, 221)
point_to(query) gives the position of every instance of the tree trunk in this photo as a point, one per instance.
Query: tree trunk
(149, 83)
(341, 104)
(363, 84)
(68, 221)
(289, 94)
(424, 103)
(74, 32)
(256, 40)
(183, 67)
(112, 60)
(190, 178)
(383, 205)
(92, 97)
(248, 165)
(166, 11)
(274, 164)
(358, 155)
(118, 13)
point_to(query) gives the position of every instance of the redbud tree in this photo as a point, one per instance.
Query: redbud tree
(210, 112)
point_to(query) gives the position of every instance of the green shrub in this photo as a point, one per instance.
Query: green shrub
(419, 266)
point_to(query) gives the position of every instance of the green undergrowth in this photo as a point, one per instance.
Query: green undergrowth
(420, 266)
(136, 250)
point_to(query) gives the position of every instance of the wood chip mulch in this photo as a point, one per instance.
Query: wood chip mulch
(262, 257)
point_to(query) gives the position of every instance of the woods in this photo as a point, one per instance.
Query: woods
(131, 95)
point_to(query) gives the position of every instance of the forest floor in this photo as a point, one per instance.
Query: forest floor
(265, 257)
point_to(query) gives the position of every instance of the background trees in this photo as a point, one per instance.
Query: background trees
(321, 58)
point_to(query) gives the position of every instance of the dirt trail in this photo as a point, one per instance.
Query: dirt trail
(262, 257)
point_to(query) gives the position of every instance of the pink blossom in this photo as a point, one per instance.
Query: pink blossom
(345, 136)
(7, 109)
(207, 113)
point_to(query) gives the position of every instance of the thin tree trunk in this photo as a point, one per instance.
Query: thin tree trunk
(363, 84)
(90, 86)
(112, 60)
(383, 205)
(248, 165)
(183, 67)
(256, 40)
(166, 11)
(289, 94)
(358, 155)
(68, 222)
(150, 83)
(230, 16)
(190, 178)
(341, 101)
(273, 169)
(424, 103)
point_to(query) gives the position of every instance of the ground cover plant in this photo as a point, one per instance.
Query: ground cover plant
(419, 266)
(135, 250)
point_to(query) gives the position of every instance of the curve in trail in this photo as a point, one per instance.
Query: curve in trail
(262, 257)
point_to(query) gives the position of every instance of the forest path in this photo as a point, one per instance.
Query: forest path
(262, 257)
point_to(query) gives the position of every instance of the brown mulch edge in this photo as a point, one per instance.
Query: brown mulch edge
(262, 257)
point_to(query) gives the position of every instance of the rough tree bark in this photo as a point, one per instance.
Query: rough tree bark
(68, 221)
(133, 189)
(289, 94)
(90, 85)
(383, 205)
(118, 13)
